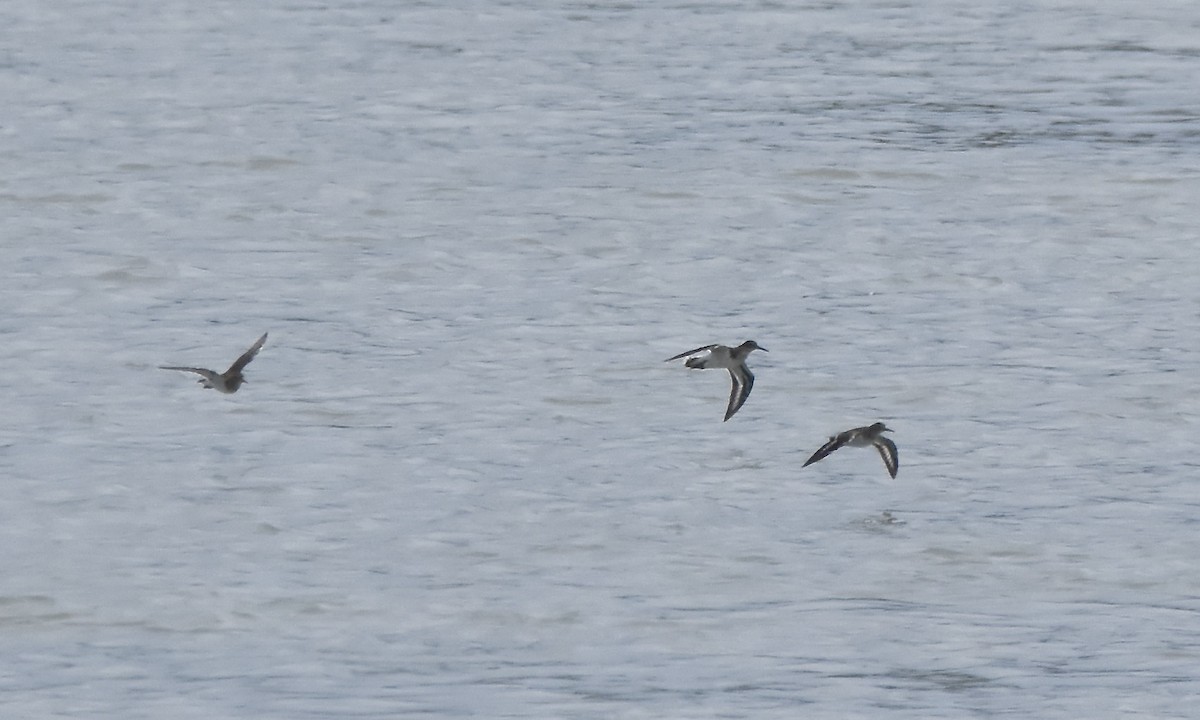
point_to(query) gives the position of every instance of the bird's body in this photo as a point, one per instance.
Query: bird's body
(733, 360)
(229, 381)
(868, 436)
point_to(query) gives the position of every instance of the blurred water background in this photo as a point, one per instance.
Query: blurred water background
(462, 482)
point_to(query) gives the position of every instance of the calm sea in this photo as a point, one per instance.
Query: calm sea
(462, 482)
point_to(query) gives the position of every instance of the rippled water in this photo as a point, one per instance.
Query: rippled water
(461, 481)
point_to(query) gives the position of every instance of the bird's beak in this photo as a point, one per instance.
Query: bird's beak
(763, 349)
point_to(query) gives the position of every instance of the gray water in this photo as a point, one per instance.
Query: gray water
(461, 480)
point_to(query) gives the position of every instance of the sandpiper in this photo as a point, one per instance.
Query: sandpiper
(733, 360)
(862, 437)
(230, 380)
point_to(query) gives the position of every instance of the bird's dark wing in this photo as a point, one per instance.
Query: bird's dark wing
(889, 453)
(834, 443)
(743, 383)
(247, 356)
(690, 352)
(209, 374)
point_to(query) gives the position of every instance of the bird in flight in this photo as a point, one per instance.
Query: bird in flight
(230, 380)
(733, 360)
(871, 435)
